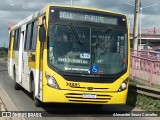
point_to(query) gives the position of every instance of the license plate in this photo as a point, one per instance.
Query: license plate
(89, 96)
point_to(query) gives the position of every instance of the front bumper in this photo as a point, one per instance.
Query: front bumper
(51, 95)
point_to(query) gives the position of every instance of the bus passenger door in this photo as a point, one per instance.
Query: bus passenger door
(33, 58)
(20, 60)
(25, 68)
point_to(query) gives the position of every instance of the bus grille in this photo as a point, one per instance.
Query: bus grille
(74, 97)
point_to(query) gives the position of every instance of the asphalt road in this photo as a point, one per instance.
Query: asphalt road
(23, 101)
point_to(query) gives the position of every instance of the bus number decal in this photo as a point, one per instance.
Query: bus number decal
(72, 84)
(85, 56)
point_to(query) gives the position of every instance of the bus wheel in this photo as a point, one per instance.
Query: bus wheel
(16, 85)
(37, 102)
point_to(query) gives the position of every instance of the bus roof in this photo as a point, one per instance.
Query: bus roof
(43, 10)
(88, 8)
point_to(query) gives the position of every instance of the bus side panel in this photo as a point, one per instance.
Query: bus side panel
(13, 64)
(16, 66)
(20, 55)
(25, 71)
(10, 55)
(34, 62)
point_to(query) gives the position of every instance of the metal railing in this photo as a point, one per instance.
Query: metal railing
(146, 66)
(144, 90)
(148, 31)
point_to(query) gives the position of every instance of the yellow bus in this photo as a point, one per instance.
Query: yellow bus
(70, 54)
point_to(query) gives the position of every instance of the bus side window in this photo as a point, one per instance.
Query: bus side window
(28, 37)
(17, 39)
(34, 35)
(10, 40)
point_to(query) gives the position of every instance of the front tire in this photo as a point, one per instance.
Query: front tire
(37, 102)
(16, 85)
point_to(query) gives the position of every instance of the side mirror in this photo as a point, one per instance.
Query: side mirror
(42, 34)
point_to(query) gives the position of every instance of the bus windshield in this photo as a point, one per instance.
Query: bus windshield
(87, 50)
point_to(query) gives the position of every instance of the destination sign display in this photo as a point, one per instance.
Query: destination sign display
(87, 17)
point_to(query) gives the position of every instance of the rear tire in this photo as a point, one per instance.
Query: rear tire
(16, 85)
(37, 102)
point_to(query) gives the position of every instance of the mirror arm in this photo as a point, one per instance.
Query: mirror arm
(42, 33)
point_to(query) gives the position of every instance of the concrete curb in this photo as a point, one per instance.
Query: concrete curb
(2, 107)
(7, 104)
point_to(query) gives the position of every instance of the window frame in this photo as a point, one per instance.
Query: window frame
(28, 40)
(15, 40)
(10, 40)
(34, 35)
(17, 35)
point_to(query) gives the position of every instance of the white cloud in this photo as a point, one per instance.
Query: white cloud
(12, 11)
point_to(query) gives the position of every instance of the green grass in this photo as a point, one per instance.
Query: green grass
(143, 102)
(3, 56)
(5, 59)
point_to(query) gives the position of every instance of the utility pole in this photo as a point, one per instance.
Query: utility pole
(71, 2)
(135, 28)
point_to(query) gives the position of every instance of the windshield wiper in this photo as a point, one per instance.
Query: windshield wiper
(75, 33)
(107, 30)
(99, 41)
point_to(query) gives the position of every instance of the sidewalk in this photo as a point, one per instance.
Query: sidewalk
(1, 59)
(6, 104)
(2, 106)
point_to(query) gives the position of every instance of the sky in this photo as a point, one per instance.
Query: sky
(13, 11)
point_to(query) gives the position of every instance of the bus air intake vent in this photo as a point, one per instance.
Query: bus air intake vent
(75, 97)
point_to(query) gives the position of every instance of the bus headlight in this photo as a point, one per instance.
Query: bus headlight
(123, 85)
(51, 82)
